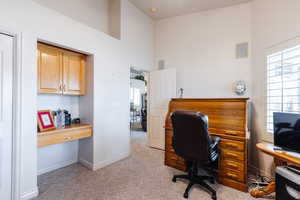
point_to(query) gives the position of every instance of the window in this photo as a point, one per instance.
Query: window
(283, 83)
(135, 96)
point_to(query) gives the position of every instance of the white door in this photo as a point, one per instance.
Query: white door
(162, 87)
(6, 73)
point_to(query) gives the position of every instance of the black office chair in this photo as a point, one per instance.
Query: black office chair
(192, 142)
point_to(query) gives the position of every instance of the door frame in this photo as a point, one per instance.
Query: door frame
(16, 111)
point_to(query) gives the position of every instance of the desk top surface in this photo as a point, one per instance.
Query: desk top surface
(67, 128)
(286, 156)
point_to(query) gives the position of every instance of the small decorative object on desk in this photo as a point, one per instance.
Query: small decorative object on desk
(54, 115)
(240, 88)
(68, 119)
(181, 90)
(60, 119)
(76, 121)
(45, 121)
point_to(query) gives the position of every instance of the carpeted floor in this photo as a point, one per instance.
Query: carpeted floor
(142, 176)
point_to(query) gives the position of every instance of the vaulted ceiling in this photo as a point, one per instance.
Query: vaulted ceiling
(160, 9)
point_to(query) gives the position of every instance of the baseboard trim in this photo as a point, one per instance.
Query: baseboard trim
(104, 163)
(108, 162)
(57, 166)
(30, 194)
(86, 163)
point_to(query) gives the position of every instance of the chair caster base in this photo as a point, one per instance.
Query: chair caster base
(214, 197)
(212, 181)
(186, 195)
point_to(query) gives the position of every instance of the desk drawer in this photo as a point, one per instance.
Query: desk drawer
(173, 156)
(169, 137)
(66, 136)
(172, 160)
(169, 147)
(233, 174)
(232, 145)
(232, 165)
(232, 155)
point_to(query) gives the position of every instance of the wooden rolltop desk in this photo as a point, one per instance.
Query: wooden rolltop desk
(228, 120)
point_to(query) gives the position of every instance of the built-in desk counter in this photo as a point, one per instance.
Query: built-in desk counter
(70, 133)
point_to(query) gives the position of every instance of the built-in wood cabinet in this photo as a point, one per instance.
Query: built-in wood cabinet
(60, 71)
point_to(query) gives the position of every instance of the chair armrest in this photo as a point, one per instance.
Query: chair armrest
(214, 142)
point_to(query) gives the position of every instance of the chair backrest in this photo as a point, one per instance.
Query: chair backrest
(191, 139)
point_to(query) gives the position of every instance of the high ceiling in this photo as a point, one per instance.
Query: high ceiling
(170, 8)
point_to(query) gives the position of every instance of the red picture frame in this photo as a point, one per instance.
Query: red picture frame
(45, 120)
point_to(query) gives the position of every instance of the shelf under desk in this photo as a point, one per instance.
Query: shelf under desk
(70, 133)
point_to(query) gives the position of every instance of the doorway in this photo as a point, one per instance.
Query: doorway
(6, 115)
(138, 102)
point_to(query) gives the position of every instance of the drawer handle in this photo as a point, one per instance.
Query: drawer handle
(231, 133)
(231, 155)
(231, 175)
(232, 145)
(173, 157)
(68, 138)
(233, 166)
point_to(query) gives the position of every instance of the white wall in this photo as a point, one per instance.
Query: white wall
(274, 21)
(54, 102)
(93, 13)
(56, 156)
(115, 18)
(136, 27)
(201, 47)
(112, 59)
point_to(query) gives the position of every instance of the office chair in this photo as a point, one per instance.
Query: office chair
(192, 142)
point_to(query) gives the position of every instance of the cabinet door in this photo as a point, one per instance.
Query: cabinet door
(73, 74)
(49, 70)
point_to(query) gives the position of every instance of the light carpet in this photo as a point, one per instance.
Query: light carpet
(142, 176)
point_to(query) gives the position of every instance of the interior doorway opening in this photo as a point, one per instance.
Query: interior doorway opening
(138, 101)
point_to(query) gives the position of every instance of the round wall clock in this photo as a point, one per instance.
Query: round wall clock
(240, 88)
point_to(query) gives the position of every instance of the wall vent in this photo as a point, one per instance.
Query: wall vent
(242, 50)
(161, 64)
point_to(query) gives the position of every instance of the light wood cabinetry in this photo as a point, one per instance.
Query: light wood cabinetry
(49, 70)
(227, 120)
(60, 71)
(73, 74)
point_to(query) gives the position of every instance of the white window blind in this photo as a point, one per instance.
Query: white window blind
(283, 83)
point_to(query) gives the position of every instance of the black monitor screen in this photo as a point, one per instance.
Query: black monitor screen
(287, 131)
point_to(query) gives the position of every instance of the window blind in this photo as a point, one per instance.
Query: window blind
(283, 83)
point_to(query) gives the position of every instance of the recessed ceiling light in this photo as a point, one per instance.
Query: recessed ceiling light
(153, 10)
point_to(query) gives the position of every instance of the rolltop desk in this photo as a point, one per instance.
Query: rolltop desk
(227, 120)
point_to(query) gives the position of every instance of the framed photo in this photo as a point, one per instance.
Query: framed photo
(45, 120)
